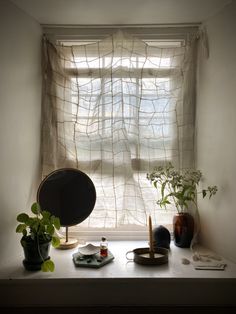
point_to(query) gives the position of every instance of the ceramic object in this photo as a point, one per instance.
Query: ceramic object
(89, 249)
(183, 229)
(35, 253)
(161, 237)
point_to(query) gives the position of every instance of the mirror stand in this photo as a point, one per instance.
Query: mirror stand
(67, 243)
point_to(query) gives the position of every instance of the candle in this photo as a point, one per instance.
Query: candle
(150, 238)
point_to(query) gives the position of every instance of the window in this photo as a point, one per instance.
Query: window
(118, 107)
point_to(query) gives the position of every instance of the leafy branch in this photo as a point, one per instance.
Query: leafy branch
(177, 187)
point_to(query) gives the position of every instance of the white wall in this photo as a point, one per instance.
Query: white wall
(20, 110)
(216, 132)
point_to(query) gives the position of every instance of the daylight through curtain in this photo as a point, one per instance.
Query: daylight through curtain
(115, 109)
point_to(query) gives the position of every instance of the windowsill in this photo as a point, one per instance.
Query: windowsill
(120, 267)
(123, 281)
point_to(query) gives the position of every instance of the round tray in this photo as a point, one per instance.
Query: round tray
(142, 256)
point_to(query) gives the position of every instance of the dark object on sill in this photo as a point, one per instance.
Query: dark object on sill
(142, 256)
(183, 228)
(35, 252)
(161, 237)
(69, 194)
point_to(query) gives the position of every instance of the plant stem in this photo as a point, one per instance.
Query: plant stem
(37, 237)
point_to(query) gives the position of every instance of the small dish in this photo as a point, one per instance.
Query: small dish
(89, 249)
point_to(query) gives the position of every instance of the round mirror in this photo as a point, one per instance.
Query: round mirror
(68, 194)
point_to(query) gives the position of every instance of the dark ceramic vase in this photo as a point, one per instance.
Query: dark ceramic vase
(35, 252)
(161, 237)
(183, 229)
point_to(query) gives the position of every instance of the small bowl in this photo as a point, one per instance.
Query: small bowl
(88, 249)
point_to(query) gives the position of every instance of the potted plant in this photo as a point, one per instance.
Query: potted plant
(38, 234)
(179, 188)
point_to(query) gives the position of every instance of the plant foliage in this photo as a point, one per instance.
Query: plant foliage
(177, 187)
(40, 227)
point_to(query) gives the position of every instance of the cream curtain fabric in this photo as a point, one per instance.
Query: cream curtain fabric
(115, 109)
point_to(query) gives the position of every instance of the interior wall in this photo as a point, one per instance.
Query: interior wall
(216, 131)
(20, 110)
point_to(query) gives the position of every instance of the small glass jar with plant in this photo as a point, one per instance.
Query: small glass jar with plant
(180, 189)
(38, 233)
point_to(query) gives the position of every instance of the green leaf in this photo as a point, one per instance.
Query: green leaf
(20, 228)
(30, 221)
(178, 195)
(48, 266)
(35, 225)
(46, 215)
(160, 203)
(55, 241)
(41, 229)
(22, 218)
(35, 208)
(56, 222)
(163, 189)
(50, 229)
(164, 201)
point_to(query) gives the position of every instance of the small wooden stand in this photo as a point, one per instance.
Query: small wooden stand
(68, 243)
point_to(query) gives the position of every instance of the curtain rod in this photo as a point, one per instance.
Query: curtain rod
(121, 25)
(147, 31)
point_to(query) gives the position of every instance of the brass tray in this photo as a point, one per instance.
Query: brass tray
(142, 256)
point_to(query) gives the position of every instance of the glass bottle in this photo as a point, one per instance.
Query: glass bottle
(103, 247)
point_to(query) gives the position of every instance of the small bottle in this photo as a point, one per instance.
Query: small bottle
(103, 247)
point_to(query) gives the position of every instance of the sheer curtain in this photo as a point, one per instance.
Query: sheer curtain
(115, 109)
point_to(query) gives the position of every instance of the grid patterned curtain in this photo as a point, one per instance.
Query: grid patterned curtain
(115, 109)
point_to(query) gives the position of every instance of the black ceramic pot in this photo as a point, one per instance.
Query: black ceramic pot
(35, 252)
(183, 229)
